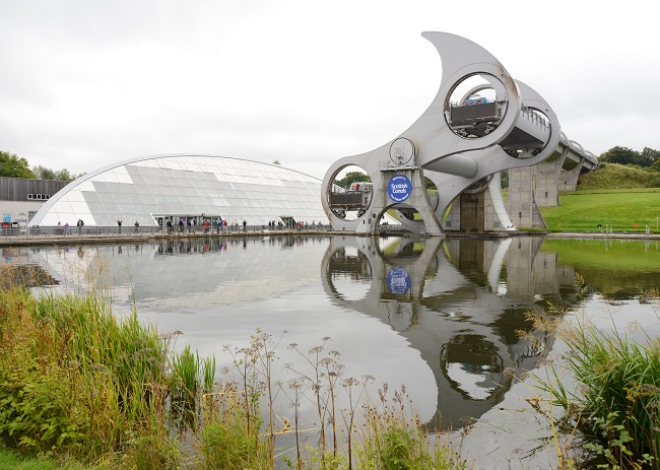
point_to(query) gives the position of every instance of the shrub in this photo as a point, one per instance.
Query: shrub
(73, 379)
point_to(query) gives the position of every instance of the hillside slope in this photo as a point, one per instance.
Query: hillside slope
(616, 176)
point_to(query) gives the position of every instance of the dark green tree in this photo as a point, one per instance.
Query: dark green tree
(13, 166)
(43, 173)
(352, 177)
(624, 156)
(64, 175)
(656, 166)
(651, 156)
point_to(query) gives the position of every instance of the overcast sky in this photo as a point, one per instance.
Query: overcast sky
(86, 83)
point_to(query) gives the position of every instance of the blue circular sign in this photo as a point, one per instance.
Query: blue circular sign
(399, 188)
(398, 281)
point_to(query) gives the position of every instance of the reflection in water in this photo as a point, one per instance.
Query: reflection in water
(469, 363)
(189, 275)
(24, 275)
(438, 315)
(438, 295)
(619, 269)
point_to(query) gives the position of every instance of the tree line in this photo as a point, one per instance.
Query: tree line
(13, 166)
(647, 158)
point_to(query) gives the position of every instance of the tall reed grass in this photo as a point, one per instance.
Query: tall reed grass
(618, 394)
(78, 383)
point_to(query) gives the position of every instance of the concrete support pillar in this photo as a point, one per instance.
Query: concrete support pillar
(453, 221)
(521, 196)
(568, 179)
(547, 174)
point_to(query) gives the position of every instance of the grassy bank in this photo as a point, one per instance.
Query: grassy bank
(79, 386)
(621, 210)
(614, 175)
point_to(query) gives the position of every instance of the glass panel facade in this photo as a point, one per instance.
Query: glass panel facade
(186, 185)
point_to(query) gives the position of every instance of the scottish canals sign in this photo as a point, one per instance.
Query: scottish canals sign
(399, 188)
(398, 281)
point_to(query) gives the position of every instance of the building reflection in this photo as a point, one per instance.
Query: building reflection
(459, 302)
(188, 274)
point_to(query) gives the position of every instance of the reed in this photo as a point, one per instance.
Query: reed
(78, 383)
(225, 441)
(391, 437)
(75, 380)
(618, 394)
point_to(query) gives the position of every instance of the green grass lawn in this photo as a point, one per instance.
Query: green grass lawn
(11, 460)
(620, 209)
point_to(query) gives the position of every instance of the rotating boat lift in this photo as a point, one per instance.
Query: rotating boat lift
(481, 122)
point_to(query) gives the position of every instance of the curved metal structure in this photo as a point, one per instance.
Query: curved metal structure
(459, 142)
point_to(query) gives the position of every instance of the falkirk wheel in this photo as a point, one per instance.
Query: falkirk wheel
(480, 123)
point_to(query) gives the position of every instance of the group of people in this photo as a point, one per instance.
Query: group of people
(67, 228)
(191, 223)
(80, 224)
(136, 225)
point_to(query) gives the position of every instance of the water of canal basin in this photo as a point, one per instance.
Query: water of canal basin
(438, 316)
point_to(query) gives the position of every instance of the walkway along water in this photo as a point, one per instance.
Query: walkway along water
(94, 235)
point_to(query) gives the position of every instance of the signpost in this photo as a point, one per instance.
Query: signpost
(399, 188)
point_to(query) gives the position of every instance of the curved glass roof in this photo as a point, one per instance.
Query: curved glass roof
(146, 188)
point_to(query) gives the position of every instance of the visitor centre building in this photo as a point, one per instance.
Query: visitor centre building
(154, 190)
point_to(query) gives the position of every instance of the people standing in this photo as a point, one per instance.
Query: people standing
(67, 230)
(119, 222)
(137, 226)
(80, 225)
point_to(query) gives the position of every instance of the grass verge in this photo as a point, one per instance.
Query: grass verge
(619, 210)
